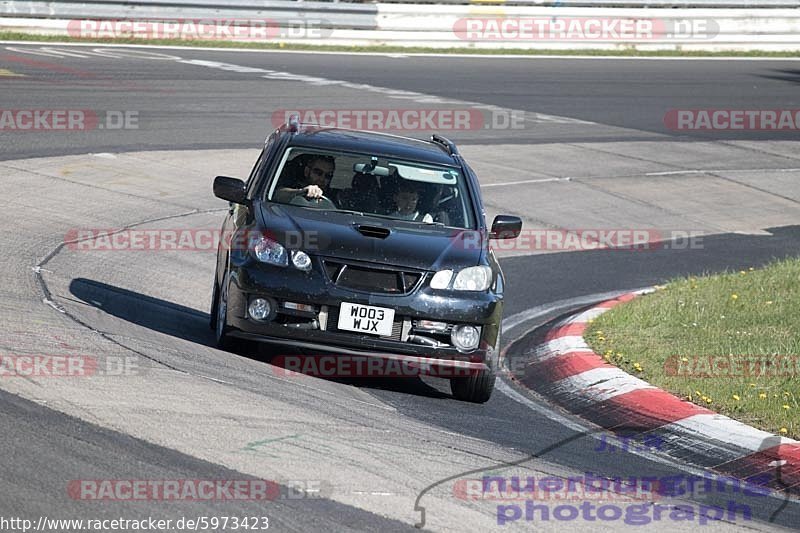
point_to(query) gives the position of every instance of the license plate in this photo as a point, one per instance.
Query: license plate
(366, 319)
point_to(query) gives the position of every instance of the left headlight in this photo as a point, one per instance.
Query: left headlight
(477, 278)
(268, 251)
(441, 279)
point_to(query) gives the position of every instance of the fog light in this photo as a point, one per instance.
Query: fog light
(259, 309)
(465, 338)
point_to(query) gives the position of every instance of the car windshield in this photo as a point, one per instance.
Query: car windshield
(373, 186)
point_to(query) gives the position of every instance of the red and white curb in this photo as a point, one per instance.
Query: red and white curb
(565, 369)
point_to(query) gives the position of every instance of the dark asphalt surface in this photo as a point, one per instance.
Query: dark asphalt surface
(189, 107)
(192, 107)
(618, 92)
(558, 276)
(46, 451)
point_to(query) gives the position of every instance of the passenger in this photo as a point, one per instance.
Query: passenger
(406, 197)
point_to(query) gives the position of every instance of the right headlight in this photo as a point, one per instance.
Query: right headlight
(268, 251)
(477, 278)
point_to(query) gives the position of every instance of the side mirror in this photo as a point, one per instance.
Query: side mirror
(230, 189)
(505, 227)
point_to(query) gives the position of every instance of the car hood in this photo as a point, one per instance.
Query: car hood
(364, 238)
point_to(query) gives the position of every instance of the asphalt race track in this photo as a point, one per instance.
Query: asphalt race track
(359, 454)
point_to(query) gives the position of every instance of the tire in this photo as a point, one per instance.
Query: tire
(476, 388)
(212, 315)
(220, 317)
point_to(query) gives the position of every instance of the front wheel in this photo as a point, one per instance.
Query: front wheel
(476, 387)
(220, 306)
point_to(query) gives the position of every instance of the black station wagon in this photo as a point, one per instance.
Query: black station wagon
(362, 243)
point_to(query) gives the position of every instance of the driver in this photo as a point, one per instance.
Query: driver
(317, 175)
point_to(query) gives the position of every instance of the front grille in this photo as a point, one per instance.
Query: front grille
(368, 279)
(333, 325)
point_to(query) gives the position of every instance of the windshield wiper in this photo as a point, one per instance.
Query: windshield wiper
(376, 215)
(345, 211)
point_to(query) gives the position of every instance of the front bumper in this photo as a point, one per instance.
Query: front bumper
(251, 279)
(423, 360)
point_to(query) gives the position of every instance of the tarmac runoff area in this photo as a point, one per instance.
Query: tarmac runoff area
(196, 400)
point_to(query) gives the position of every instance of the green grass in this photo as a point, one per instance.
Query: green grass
(623, 52)
(665, 337)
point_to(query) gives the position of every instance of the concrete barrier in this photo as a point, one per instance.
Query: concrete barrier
(441, 25)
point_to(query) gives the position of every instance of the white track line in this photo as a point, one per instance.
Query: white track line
(402, 55)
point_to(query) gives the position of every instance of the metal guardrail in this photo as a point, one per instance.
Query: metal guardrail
(98, 8)
(334, 14)
(437, 25)
(691, 4)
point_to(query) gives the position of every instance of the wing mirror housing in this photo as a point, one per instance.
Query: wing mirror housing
(506, 227)
(230, 189)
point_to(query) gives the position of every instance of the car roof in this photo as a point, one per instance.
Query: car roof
(379, 144)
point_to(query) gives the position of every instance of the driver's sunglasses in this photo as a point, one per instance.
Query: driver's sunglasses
(319, 172)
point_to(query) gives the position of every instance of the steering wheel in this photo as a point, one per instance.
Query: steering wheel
(323, 202)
